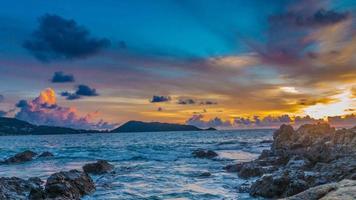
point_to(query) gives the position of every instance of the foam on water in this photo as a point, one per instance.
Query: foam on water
(147, 165)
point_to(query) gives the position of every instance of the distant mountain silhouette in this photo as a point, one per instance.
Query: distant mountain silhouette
(12, 126)
(138, 126)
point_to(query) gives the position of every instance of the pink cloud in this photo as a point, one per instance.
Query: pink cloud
(44, 110)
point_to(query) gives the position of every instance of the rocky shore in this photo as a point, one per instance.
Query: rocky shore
(64, 185)
(311, 157)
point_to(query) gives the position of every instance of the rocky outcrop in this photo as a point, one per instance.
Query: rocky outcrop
(300, 159)
(16, 188)
(200, 153)
(68, 185)
(345, 189)
(21, 157)
(100, 167)
(45, 154)
(71, 184)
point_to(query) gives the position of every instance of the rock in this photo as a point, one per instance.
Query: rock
(204, 153)
(280, 184)
(298, 162)
(250, 169)
(205, 174)
(233, 168)
(37, 194)
(282, 137)
(345, 189)
(21, 157)
(100, 167)
(16, 188)
(46, 154)
(312, 155)
(67, 185)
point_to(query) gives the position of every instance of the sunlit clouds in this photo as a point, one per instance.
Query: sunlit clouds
(253, 64)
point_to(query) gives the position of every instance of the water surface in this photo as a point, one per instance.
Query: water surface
(147, 165)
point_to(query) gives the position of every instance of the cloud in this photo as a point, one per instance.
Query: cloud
(84, 90)
(2, 98)
(70, 96)
(158, 99)
(300, 17)
(269, 121)
(60, 77)
(59, 38)
(186, 101)
(343, 121)
(197, 120)
(207, 102)
(44, 110)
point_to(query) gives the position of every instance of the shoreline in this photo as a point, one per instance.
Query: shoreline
(301, 159)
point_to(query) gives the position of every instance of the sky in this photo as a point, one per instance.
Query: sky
(220, 63)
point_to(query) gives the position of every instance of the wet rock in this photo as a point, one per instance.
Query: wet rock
(16, 188)
(100, 167)
(345, 189)
(250, 169)
(233, 168)
(204, 153)
(280, 184)
(312, 155)
(21, 157)
(46, 154)
(298, 162)
(71, 184)
(205, 174)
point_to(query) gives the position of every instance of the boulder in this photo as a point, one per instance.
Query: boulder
(205, 174)
(200, 153)
(21, 157)
(280, 184)
(46, 154)
(67, 185)
(100, 167)
(345, 189)
(16, 188)
(250, 169)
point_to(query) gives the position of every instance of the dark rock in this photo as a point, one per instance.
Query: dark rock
(46, 154)
(71, 184)
(205, 174)
(204, 154)
(16, 188)
(37, 194)
(250, 169)
(100, 167)
(233, 168)
(21, 157)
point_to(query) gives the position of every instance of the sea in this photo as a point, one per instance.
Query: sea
(148, 165)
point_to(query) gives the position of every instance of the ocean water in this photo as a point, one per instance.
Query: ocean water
(147, 165)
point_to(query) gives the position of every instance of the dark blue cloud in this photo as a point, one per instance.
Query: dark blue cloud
(70, 96)
(60, 77)
(84, 90)
(59, 38)
(157, 99)
(208, 102)
(186, 101)
(22, 104)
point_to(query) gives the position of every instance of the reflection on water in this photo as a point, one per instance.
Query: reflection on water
(147, 165)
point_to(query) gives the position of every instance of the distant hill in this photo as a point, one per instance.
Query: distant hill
(12, 126)
(138, 126)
